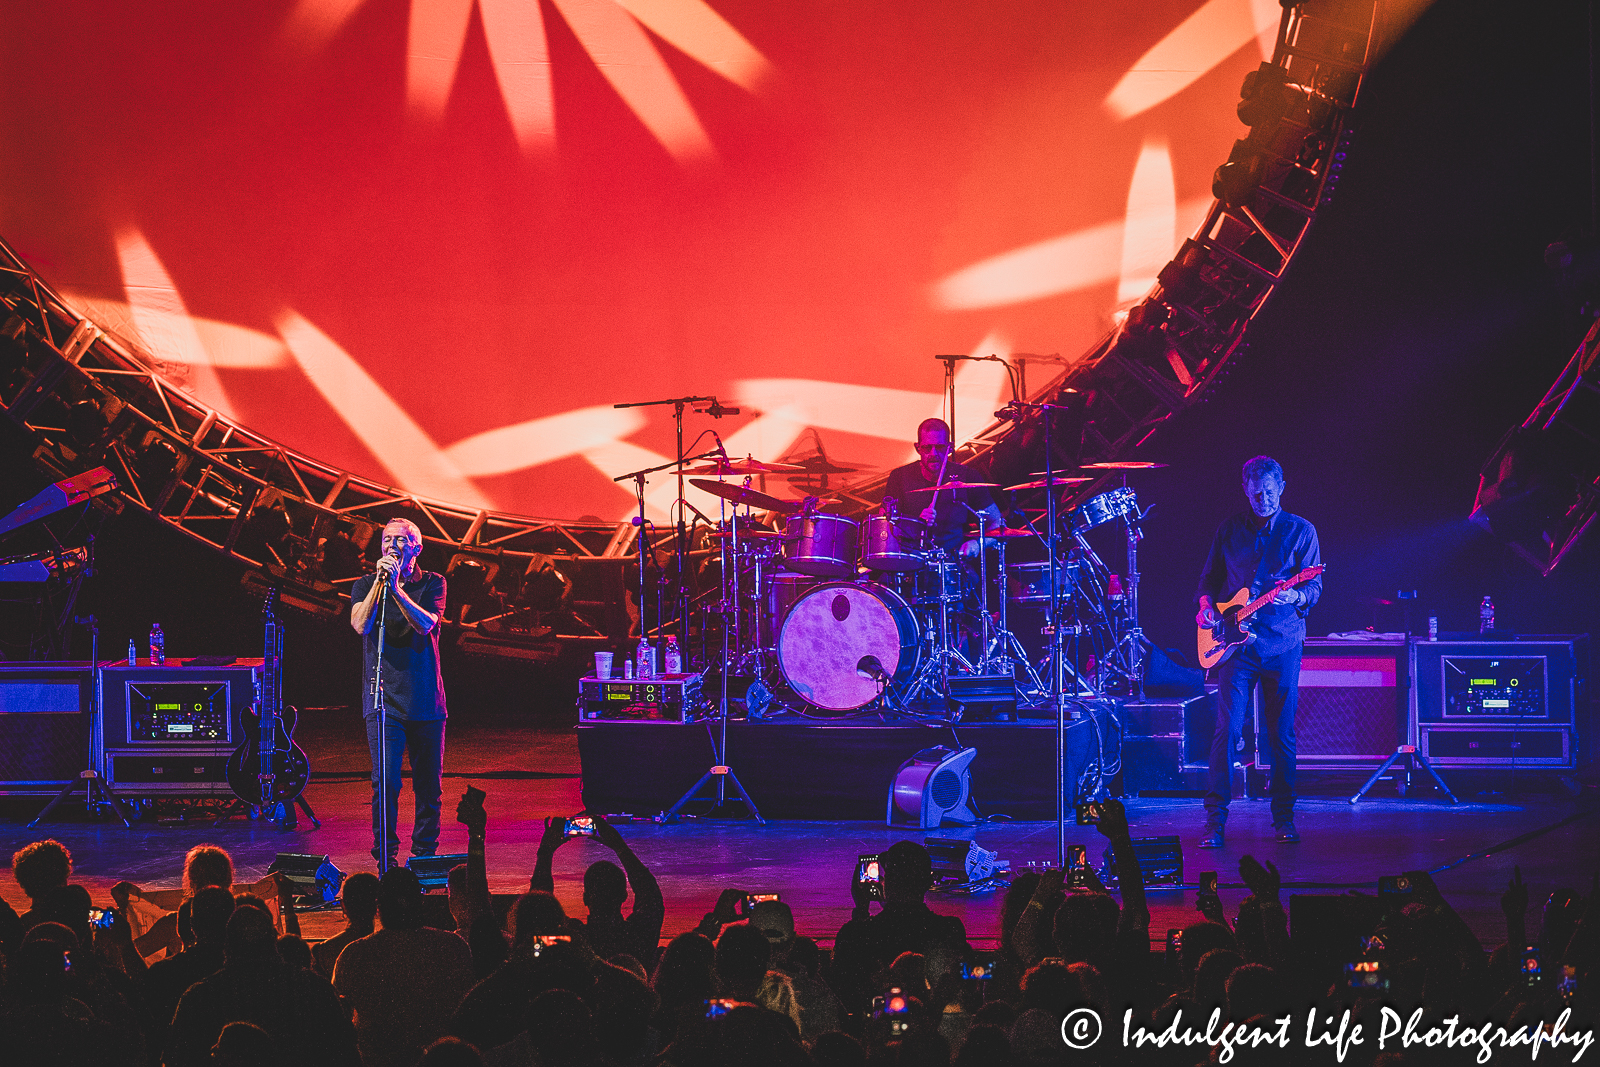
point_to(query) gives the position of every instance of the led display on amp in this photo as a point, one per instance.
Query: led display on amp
(178, 711)
(1494, 687)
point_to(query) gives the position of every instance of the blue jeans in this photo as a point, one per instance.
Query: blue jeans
(425, 742)
(1280, 691)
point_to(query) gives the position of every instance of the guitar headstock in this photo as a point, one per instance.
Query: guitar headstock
(268, 602)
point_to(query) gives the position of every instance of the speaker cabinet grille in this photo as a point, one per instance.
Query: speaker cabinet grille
(1352, 710)
(44, 725)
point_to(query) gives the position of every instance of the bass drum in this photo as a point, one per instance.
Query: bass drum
(832, 635)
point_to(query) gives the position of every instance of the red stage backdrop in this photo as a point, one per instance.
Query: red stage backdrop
(433, 241)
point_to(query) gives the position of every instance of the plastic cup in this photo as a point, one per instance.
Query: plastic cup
(602, 664)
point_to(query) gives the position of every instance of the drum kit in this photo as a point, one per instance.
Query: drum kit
(830, 615)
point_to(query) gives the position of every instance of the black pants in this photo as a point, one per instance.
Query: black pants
(425, 743)
(1280, 690)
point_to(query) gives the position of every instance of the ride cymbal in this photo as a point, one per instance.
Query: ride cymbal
(1122, 465)
(742, 466)
(740, 494)
(1042, 482)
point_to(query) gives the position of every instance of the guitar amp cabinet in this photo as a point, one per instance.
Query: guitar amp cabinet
(168, 731)
(45, 713)
(1354, 698)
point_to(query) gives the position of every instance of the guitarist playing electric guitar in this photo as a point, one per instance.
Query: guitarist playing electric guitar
(1254, 553)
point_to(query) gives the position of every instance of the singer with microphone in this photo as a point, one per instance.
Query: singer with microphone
(410, 602)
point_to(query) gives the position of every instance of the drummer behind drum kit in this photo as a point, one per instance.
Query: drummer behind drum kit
(832, 615)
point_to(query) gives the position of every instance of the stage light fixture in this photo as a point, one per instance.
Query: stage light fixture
(434, 871)
(933, 786)
(312, 879)
(959, 860)
(1160, 861)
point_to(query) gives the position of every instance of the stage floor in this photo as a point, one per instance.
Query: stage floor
(531, 771)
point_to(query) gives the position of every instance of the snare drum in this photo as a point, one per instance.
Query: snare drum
(823, 546)
(1029, 583)
(1099, 510)
(892, 543)
(832, 635)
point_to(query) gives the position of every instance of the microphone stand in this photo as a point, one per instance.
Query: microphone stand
(1057, 631)
(383, 738)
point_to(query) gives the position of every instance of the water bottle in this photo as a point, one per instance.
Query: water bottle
(158, 646)
(672, 657)
(1486, 616)
(646, 656)
(133, 653)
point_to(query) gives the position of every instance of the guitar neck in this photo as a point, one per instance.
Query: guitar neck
(1266, 598)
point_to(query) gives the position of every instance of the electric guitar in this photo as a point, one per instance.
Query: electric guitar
(269, 770)
(1218, 642)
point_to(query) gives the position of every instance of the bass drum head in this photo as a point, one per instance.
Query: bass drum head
(831, 629)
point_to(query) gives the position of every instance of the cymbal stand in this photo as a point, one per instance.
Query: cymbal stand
(1132, 634)
(1004, 652)
(942, 650)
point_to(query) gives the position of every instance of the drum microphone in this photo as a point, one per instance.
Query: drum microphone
(870, 668)
(716, 410)
(1011, 411)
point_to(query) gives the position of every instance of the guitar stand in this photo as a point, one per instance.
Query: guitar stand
(287, 821)
(1412, 756)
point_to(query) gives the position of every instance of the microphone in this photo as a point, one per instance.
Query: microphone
(870, 668)
(716, 410)
(1011, 411)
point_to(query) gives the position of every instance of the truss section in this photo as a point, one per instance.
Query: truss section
(83, 398)
(1177, 342)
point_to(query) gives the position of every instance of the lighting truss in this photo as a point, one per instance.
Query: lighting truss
(1179, 340)
(84, 399)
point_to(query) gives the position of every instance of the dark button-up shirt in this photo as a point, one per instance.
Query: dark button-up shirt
(1235, 562)
(413, 690)
(950, 523)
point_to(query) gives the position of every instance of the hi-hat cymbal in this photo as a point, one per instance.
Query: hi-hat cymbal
(1008, 531)
(1042, 482)
(742, 466)
(1122, 465)
(742, 495)
(957, 483)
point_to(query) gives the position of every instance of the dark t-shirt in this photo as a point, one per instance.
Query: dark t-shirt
(413, 690)
(950, 524)
(1235, 562)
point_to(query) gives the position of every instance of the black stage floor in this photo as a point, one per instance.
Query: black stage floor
(531, 771)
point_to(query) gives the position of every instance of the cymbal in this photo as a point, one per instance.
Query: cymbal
(747, 535)
(1122, 465)
(957, 483)
(741, 495)
(742, 466)
(819, 465)
(1007, 531)
(1041, 483)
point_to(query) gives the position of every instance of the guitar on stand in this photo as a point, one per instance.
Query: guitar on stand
(1231, 632)
(269, 772)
